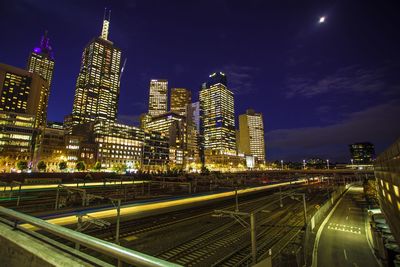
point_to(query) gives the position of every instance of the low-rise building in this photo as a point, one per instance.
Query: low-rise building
(17, 139)
(387, 173)
(155, 152)
(50, 147)
(174, 127)
(119, 145)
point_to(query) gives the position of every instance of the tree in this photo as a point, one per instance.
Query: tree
(119, 168)
(41, 165)
(97, 166)
(62, 165)
(22, 165)
(80, 166)
(205, 170)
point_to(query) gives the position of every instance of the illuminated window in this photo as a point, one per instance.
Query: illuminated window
(396, 190)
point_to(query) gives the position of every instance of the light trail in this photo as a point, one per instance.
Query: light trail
(135, 208)
(81, 184)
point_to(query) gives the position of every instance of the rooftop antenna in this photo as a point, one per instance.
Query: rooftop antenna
(106, 25)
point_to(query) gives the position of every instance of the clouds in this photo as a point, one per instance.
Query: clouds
(378, 124)
(240, 78)
(347, 79)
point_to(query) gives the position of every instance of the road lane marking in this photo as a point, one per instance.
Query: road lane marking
(345, 254)
(320, 229)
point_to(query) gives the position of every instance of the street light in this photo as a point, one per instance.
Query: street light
(304, 164)
(327, 163)
(352, 163)
(281, 164)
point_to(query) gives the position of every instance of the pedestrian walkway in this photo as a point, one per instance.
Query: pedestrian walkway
(343, 240)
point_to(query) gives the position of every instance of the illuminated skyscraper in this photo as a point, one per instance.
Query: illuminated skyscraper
(158, 97)
(180, 99)
(217, 117)
(24, 92)
(41, 60)
(251, 134)
(98, 83)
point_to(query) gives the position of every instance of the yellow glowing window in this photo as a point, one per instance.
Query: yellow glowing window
(387, 185)
(383, 192)
(398, 205)
(396, 190)
(381, 182)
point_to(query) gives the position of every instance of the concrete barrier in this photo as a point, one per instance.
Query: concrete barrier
(19, 249)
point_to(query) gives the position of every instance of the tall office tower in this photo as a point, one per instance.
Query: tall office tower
(251, 135)
(195, 107)
(41, 60)
(180, 99)
(217, 117)
(192, 118)
(98, 83)
(362, 153)
(24, 92)
(158, 97)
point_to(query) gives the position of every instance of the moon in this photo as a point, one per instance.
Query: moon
(321, 19)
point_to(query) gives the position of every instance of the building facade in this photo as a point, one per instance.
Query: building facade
(173, 126)
(51, 146)
(155, 152)
(251, 135)
(24, 92)
(387, 173)
(158, 97)
(98, 83)
(362, 153)
(17, 139)
(181, 98)
(217, 115)
(41, 60)
(119, 145)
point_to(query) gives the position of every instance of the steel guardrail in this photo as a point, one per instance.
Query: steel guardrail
(118, 252)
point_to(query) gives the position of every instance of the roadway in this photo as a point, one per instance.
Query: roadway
(343, 239)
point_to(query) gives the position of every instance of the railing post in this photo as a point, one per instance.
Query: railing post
(236, 200)
(19, 195)
(117, 230)
(118, 221)
(57, 198)
(253, 238)
(77, 245)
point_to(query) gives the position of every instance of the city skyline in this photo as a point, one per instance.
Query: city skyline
(376, 88)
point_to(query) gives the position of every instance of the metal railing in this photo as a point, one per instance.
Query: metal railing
(118, 252)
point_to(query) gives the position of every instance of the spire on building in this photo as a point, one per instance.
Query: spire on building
(106, 24)
(44, 46)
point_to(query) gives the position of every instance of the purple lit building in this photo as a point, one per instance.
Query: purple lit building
(41, 60)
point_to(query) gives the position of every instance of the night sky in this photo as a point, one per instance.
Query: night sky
(319, 86)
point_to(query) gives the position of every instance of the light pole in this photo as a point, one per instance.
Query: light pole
(281, 164)
(352, 163)
(327, 163)
(304, 164)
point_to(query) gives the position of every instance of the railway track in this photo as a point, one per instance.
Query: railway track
(206, 247)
